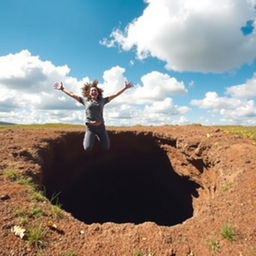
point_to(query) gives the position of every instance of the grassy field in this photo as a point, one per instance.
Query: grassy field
(243, 131)
(41, 126)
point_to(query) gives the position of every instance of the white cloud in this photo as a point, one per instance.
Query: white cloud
(245, 109)
(191, 35)
(120, 113)
(165, 107)
(113, 79)
(232, 110)
(26, 88)
(158, 86)
(24, 72)
(133, 115)
(213, 101)
(155, 92)
(28, 80)
(245, 114)
(155, 86)
(247, 90)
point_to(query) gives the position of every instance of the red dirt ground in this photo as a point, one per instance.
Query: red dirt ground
(223, 166)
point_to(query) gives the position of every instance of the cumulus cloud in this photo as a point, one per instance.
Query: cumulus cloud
(213, 101)
(232, 110)
(192, 35)
(157, 86)
(246, 90)
(237, 107)
(148, 103)
(165, 107)
(26, 88)
(146, 115)
(113, 79)
(26, 80)
(27, 73)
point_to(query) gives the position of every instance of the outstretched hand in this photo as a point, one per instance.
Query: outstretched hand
(58, 86)
(128, 85)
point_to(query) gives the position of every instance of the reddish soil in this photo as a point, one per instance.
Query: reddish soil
(162, 191)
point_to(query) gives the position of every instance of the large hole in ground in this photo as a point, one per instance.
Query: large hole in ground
(133, 182)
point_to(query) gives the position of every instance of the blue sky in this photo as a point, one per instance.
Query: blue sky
(191, 61)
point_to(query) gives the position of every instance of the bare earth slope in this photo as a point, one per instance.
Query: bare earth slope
(162, 191)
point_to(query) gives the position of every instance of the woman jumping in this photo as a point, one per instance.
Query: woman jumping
(93, 102)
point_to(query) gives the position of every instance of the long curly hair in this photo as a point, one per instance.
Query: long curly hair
(87, 86)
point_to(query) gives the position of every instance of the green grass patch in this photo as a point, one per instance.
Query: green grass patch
(56, 211)
(13, 175)
(36, 212)
(68, 253)
(25, 181)
(38, 196)
(40, 254)
(213, 244)
(40, 126)
(20, 212)
(139, 253)
(227, 186)
(229, 232)
(36, 236)
(33, 212)
(21, 220)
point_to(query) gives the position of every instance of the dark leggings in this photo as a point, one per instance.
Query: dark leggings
(95, 131)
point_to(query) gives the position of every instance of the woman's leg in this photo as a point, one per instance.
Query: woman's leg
(89, 139)
(103, 137)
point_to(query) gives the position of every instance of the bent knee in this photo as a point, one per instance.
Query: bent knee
(87, 147)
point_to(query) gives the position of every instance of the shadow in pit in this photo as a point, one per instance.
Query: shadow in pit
(133, 182)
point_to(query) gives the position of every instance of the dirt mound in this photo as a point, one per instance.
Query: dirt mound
(162, 191)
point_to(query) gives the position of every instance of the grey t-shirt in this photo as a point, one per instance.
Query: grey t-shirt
(94, 109)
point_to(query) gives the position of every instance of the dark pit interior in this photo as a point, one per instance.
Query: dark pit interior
(133, 182)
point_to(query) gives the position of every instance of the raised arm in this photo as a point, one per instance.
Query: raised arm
(126, 86)
(59, 86)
